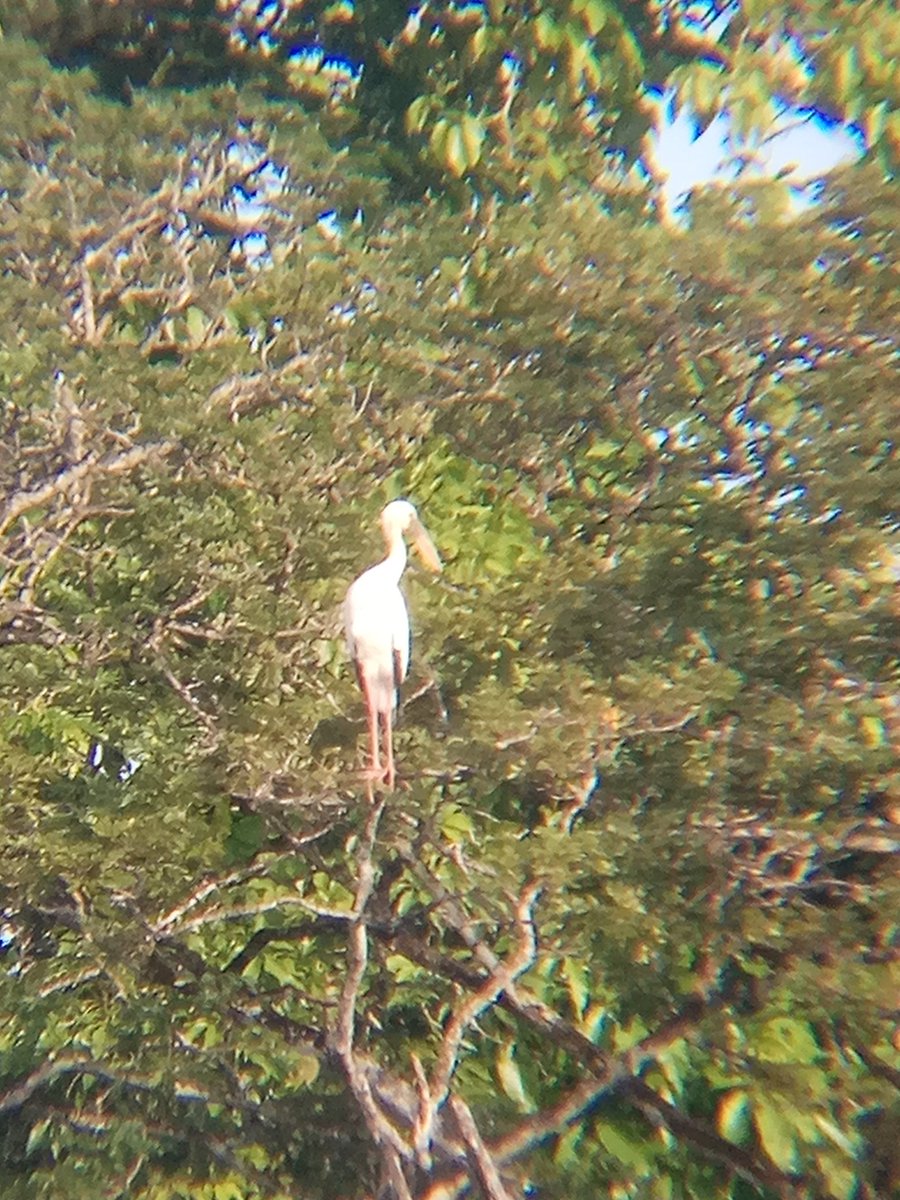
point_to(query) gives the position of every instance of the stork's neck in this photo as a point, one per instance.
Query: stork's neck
(395, 563)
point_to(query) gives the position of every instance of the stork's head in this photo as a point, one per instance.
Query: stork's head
(400, 518)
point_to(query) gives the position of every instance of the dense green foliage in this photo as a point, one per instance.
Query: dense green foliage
(512, 96)
(628, 925)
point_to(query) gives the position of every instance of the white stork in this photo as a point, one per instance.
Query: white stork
(376, 623)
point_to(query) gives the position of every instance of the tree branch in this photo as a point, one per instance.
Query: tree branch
(699, 1135)
(486, 994)
(391, 1145)
(482, 1165)
(110, 464)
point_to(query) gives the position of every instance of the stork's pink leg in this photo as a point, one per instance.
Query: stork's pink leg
(372, 719)
(374, 748)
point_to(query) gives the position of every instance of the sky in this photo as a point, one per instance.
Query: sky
(812, 145)
(806, 142)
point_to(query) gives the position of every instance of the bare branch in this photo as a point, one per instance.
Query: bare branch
(391, 1145)
(246, 393)
(204, 889)
(110, 464)
(67, 1064)
(181, 689)
(498, 981)
(482, 1164)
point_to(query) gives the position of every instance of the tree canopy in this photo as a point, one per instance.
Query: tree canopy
(628, 924)
(511, 96)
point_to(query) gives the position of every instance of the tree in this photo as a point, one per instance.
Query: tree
(627, 923)
(508, 96)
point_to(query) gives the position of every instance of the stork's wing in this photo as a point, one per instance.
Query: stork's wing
(360, 677)
(399, 673)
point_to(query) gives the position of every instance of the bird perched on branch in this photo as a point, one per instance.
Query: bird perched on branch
(376, 623)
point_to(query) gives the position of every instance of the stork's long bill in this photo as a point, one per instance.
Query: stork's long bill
(425, 547)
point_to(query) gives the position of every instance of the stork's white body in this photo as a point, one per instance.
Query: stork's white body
(376, 623)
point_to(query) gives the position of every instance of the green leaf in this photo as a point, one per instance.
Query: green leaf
(776, 1134)
(872, 730)
(874, 123)
(733, 1116)
(624, 1148)
(577, 979)
(847, 74)
(246, 837)
(38, 1135)
(840, 1176)
(417, 114)
(197, 323)
(456, 824)
(705, 87)
(675, 1064)
(473, 138)
(304, 1072)
(511, 1079)
(602, 448)
(786, 1040)
(595, 16)
(557, 166)
(403, 969)
(849, 1145)
(547, 34)
(438, 138)
(568, 1147)
(454, 151)
(230, 1188)
(478, 43)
